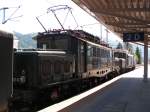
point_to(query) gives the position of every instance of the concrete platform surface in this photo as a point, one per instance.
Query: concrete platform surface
(127, 94)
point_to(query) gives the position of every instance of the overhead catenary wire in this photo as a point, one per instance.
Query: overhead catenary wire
(66, 17)
(41, 24)
(58, 19)
(60, 7)
(74, 18)
(11, 16)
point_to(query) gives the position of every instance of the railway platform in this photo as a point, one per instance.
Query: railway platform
(125, 93)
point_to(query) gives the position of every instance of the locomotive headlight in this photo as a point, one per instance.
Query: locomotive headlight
(22, 79)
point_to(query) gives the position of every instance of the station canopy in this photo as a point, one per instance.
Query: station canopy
(120, 16)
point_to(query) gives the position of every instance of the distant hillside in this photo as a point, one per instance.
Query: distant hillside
(26, 41)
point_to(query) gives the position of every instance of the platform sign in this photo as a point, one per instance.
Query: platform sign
(133, 37)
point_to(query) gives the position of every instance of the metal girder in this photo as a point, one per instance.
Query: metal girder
(126, 9)
(101, 12)
(121, 32)
(141, 43)
(123, 23)
(129, 26)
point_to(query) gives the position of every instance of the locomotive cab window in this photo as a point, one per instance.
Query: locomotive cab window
(44, 46)
(61, 43)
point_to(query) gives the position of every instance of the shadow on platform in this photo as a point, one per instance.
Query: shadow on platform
(128, 94)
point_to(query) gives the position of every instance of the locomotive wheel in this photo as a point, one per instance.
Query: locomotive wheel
(55, 94)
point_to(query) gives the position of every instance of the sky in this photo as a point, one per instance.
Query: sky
(30, 9)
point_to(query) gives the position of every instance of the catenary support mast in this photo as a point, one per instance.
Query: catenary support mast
(145, 59)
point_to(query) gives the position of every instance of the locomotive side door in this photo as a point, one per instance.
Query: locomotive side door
(78, 49)
(81, 57)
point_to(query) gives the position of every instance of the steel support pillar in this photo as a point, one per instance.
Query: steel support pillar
(145, 79)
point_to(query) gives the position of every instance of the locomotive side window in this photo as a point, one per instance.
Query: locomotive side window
(44, 45)
(108, 56)
(94, 51)
(105, 56)
(82, 55)
(98, 52)
(102, 56)
(89, 57)
(82, 48)
(95, 58)
(90, 50)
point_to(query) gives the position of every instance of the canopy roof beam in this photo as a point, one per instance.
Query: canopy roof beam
(123, 23)
(101, 12)
(130, 26)
(126, 9)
